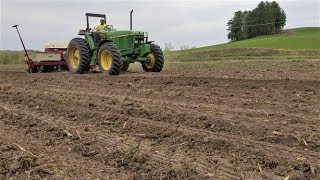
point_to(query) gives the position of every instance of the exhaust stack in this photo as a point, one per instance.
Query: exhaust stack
(131, 19)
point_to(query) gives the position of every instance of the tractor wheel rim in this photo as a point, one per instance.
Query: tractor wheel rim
(106, 60)
(74, 58)
(152, 61)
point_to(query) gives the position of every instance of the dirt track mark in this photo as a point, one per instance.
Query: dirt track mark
(165, 125)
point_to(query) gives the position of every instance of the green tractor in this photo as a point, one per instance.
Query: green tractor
(113, 51)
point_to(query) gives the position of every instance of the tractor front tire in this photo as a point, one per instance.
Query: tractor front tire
(156, 60)
(79, 56)
(109, 59)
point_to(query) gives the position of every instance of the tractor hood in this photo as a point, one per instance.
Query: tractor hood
(124, 33)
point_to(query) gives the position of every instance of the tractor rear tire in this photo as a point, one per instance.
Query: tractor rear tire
(156, 60)
(79, 56)
(125, 67)
(109, 59)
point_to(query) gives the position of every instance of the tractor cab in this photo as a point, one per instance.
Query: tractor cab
(136, 37)
(94, 30)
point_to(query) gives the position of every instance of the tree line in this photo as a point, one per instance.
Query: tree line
(266, 19)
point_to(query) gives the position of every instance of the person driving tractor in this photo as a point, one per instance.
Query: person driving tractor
(103, 27)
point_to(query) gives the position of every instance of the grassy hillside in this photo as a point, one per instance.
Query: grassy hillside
(295, 39)
(297, 43)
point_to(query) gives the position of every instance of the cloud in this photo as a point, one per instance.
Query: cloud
(192, 23)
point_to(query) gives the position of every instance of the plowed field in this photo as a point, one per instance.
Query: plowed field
(221, 120)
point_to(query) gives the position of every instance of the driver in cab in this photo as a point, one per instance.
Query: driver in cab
(103, 27)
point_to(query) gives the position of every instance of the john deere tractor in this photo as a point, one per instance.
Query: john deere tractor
(113, 50)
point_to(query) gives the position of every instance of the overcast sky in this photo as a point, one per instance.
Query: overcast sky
(181, 22)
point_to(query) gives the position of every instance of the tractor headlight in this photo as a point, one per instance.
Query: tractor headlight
(139, 41)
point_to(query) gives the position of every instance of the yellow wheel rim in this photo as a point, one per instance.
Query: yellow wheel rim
(106, 60)
(152, 61)
(74, 58)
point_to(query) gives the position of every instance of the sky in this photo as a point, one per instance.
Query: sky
(182, 22)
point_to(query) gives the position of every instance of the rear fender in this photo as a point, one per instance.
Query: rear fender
(104, 41)
(90, 41)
